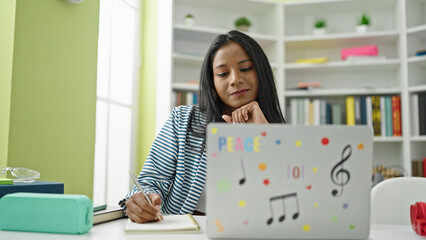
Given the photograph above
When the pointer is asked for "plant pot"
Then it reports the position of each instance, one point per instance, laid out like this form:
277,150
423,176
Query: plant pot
319,31
361,28
243,28
189,21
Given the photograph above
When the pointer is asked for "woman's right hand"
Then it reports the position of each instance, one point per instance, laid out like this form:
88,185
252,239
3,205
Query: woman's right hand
139,210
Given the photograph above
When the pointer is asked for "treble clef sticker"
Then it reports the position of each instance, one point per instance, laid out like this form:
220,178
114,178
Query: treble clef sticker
339,175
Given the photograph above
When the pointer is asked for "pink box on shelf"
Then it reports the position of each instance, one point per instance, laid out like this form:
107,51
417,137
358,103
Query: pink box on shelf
370,50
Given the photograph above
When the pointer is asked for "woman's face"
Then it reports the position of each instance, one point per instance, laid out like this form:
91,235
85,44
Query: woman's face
234,76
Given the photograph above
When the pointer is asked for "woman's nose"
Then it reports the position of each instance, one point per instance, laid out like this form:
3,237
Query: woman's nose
236,78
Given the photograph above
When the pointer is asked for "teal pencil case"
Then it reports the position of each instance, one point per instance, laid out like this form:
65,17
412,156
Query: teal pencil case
46,212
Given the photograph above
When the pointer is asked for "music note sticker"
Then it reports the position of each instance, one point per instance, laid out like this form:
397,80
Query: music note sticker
283,198
243,179
339,175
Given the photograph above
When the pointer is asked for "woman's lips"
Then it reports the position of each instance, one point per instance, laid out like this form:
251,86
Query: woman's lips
239,93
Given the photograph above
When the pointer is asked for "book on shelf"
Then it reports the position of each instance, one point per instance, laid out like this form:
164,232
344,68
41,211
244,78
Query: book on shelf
388,113
308,85
418,167
336,113
350,111
396,115
170,224
293,111
421,52
424,166
363,109
375,103
108,214
300,111
316,111
382,116
311,113
323,112
357,101
329,115
306,110
415,115
422,113
312,60
369,110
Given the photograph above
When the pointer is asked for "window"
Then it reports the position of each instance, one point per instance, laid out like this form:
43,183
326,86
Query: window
116,106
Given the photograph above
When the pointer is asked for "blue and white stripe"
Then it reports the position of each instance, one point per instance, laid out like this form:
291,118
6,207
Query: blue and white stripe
176,169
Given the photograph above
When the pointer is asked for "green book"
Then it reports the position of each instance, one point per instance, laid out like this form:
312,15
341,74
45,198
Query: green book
99,206
6,181
388,111
336,114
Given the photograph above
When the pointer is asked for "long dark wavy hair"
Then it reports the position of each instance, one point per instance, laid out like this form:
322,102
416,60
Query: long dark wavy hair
267,96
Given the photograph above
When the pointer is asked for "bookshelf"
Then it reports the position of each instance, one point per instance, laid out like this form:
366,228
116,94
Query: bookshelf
284,30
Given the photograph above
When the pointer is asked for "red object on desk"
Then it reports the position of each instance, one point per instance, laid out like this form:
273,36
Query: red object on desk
418,217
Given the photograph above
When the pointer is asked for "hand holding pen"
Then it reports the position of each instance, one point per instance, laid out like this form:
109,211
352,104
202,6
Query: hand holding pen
142,208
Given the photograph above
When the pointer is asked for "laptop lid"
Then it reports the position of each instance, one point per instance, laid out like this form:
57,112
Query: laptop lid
287,181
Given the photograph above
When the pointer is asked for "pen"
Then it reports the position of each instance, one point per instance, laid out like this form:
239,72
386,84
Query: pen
138,185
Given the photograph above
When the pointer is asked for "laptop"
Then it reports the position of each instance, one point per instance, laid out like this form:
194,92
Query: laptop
288,181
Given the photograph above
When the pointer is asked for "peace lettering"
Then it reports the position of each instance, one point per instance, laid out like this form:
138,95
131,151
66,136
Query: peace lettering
231,144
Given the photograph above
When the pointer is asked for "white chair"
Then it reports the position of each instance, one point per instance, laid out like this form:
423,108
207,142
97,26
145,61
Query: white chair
391,199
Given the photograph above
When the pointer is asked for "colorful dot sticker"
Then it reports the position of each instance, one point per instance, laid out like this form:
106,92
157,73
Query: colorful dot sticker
298,143
242,203
360,146
334,218
262,166
266,182
278,142
314,169
315,204
306,228
345,206
351,227
224,185
325,141
214,130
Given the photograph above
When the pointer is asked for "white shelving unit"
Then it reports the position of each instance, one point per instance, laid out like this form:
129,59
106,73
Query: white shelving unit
415,12
284,30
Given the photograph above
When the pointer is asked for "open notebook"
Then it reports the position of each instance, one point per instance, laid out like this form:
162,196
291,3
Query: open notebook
170,223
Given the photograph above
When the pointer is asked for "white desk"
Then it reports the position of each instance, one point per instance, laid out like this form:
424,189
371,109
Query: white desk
114,230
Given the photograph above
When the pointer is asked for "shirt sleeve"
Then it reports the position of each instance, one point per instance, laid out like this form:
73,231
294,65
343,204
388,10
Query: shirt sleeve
158,171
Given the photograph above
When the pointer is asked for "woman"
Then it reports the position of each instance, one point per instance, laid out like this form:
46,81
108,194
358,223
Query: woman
236,86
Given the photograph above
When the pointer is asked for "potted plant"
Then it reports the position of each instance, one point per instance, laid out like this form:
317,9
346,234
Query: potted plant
242,24
320,24
189,19
363,23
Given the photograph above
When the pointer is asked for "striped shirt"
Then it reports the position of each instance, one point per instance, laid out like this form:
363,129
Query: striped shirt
175,168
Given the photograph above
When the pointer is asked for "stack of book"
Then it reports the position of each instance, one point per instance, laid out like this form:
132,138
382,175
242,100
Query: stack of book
34,187
103,213
418,168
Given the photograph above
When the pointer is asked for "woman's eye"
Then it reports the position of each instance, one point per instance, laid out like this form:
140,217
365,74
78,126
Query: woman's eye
222,74
246,69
